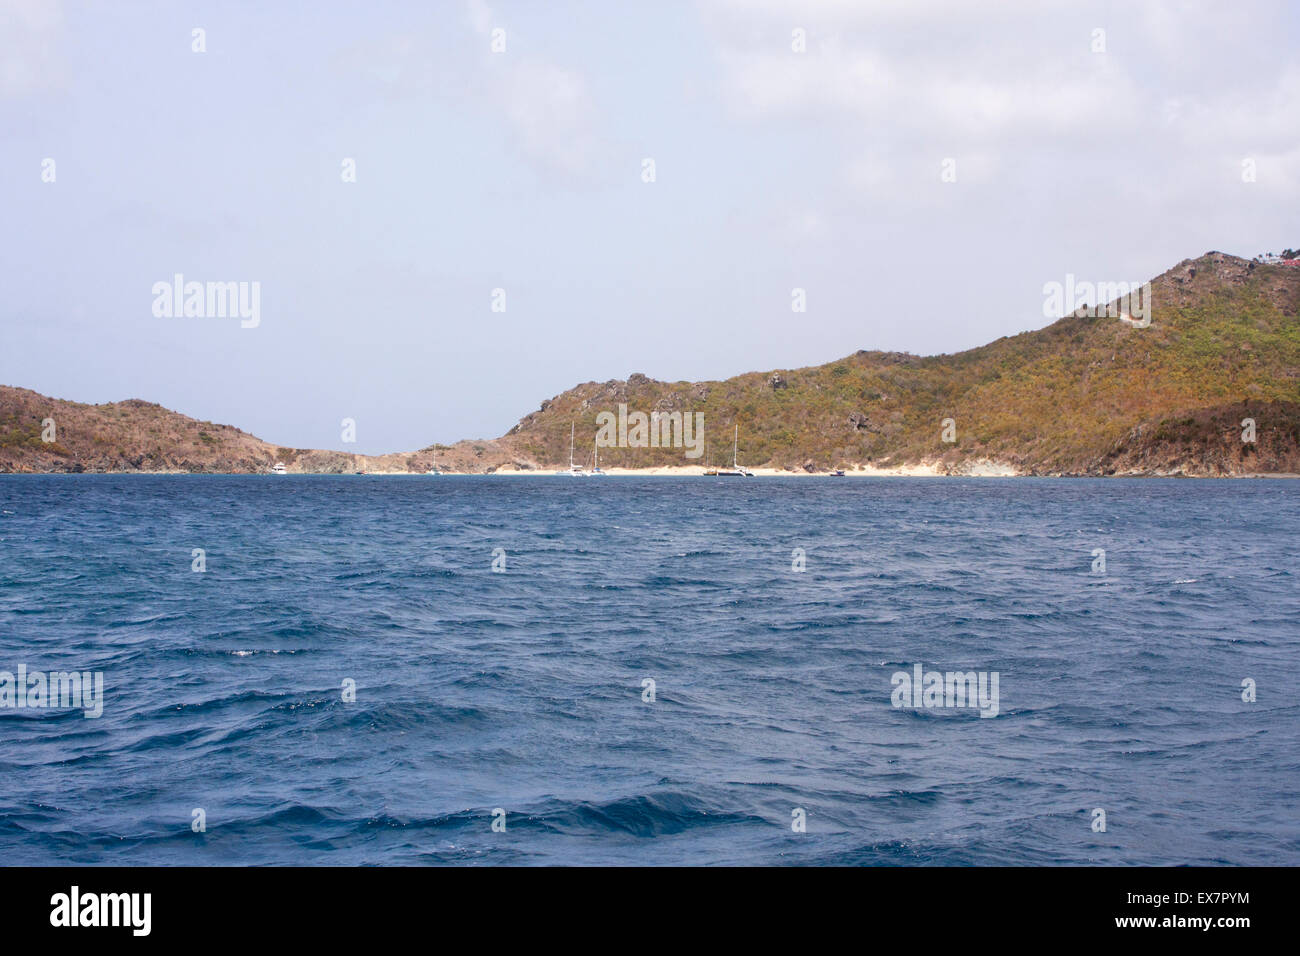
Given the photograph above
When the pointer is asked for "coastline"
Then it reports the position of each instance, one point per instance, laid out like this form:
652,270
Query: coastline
922,470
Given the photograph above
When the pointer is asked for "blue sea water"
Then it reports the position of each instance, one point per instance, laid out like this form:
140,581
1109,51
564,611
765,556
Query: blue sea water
522,689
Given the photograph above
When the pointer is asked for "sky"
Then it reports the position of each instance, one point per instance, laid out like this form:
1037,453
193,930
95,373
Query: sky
919,170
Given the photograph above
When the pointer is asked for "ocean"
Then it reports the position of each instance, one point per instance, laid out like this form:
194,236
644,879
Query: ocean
454,670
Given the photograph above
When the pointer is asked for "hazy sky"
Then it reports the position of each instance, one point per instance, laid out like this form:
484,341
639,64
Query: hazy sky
522,170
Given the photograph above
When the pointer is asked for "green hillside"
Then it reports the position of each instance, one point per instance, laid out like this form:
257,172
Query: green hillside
1086,395
1224,331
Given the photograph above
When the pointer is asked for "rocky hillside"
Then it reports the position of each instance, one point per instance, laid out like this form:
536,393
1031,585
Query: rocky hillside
141,436
1085,395
1208,442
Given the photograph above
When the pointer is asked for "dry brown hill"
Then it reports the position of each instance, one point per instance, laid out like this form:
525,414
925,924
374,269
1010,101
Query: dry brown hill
1085,395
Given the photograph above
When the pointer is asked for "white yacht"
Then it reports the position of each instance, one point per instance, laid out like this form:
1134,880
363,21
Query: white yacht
735,471
575,471
279,469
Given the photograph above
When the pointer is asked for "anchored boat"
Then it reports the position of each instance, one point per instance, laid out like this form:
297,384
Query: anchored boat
735,471
575,470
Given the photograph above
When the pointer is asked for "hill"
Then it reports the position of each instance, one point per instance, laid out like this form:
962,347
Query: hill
1086,395
140,436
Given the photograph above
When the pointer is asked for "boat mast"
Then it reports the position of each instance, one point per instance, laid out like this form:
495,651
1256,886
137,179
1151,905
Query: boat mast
570,446
735,458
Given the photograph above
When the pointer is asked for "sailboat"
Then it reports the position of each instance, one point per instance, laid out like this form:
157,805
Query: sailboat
735,471
575,471
595,462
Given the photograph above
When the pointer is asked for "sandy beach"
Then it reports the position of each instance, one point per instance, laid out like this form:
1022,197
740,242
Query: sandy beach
928,469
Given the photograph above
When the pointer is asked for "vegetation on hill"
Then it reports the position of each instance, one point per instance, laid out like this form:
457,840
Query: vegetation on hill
141,436
1088,394
1224,330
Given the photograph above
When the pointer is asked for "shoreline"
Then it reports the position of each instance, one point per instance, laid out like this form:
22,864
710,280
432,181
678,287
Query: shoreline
905,471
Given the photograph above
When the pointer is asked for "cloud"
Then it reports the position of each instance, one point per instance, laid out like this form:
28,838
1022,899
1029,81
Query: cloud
31,33
892,87
549,108
546,108
950,82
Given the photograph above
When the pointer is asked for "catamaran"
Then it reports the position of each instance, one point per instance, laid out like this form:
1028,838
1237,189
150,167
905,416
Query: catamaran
575,470
735,471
